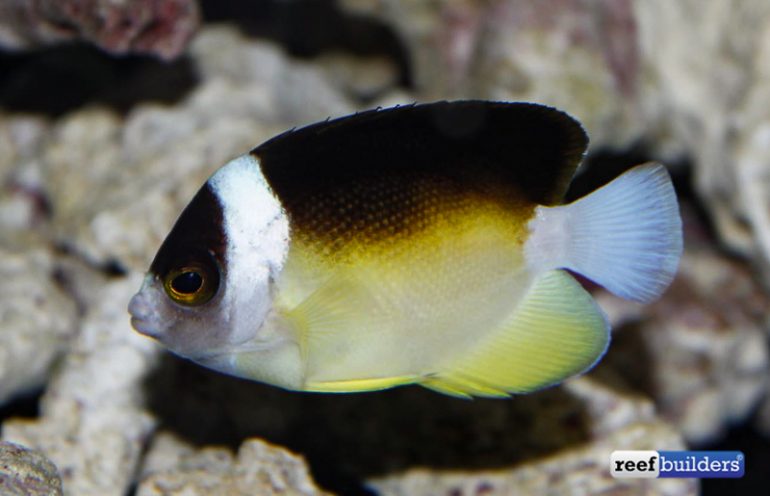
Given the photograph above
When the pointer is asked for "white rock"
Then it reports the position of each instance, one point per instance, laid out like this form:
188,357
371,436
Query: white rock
175,469
23,207
93,425
37,320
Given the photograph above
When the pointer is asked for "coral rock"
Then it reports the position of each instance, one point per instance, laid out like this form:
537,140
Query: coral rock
259,468
37,320
159,27
92,424
700,352
25,472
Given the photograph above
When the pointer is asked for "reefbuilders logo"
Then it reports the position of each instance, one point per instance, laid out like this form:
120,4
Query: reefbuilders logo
696,464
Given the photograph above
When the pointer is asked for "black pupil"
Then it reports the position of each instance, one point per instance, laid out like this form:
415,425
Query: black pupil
187,282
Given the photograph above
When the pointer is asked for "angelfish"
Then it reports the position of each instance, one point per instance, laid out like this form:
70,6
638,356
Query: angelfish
424,244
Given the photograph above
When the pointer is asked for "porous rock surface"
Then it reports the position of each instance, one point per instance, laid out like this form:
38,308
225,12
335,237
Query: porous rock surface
258,468
93,424
26,472
159,27
37,320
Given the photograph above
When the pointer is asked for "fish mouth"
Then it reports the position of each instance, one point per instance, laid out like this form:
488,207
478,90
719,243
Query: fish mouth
141,319
145,328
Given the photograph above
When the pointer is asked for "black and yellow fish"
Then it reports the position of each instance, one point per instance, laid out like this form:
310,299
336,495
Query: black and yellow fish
422,244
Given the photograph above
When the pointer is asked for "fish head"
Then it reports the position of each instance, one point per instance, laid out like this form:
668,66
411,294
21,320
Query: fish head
182,308
209,288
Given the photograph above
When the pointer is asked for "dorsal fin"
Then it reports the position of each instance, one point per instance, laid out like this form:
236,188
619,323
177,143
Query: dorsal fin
532,147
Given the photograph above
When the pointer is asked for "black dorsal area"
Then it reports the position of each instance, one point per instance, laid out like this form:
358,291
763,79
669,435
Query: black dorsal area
533,148
198,236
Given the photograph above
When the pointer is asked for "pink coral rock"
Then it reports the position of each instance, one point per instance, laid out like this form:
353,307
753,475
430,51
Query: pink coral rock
159,27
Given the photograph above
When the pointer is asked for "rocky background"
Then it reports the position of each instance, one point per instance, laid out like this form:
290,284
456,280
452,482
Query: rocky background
112,113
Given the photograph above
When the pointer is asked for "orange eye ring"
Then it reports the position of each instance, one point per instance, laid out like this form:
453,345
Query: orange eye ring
190,285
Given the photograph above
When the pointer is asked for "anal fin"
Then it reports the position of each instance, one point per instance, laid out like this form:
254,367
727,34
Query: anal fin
359,385
462,387
556,331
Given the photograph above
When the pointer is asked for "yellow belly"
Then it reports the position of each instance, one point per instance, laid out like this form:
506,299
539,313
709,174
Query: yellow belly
404,304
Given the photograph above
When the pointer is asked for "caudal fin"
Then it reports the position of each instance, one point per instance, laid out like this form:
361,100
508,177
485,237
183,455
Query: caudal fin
626,236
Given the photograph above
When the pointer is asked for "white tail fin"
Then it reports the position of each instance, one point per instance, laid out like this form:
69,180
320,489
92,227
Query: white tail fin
626,236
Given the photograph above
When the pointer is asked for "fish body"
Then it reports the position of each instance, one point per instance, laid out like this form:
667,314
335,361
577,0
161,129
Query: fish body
420,244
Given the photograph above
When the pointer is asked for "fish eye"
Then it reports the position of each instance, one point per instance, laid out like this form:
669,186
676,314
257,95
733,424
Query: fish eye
188,282
191,285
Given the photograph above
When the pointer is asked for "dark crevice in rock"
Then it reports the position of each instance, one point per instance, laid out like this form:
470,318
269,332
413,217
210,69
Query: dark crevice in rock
602,166
25,405
63,78
629,364
348,438
308,28
755,447
114,268
111,267
58,80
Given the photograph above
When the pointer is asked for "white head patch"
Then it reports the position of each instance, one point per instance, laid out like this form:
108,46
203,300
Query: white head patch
257,231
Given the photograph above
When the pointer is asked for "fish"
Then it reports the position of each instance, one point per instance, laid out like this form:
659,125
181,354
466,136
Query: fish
422,244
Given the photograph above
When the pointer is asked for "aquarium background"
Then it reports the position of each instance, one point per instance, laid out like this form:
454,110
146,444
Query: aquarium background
113,113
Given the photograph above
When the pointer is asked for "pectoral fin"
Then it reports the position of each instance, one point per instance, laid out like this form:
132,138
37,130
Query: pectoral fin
343,332
557,331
